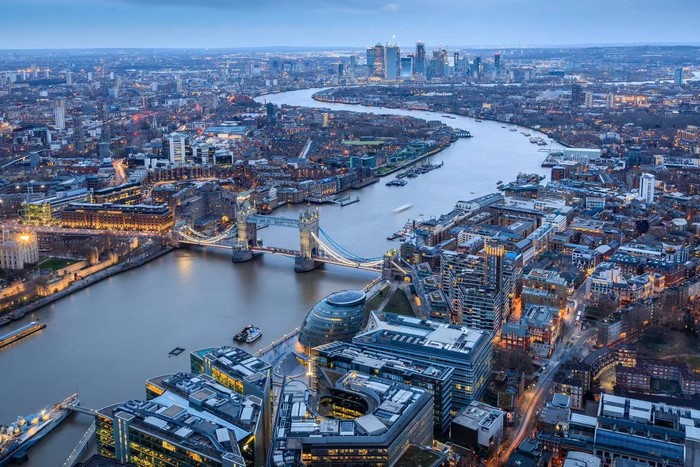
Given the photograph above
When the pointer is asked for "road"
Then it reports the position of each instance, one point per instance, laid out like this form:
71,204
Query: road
532,400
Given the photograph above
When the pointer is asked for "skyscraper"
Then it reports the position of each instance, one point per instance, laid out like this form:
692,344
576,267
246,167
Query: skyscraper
577,96
391,62
59,113
646,187
678,76
406,67
370,60
378,69
497,62
69,78
419,60
476,67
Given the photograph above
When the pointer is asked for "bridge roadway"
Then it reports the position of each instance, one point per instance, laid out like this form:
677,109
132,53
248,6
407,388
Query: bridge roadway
319,258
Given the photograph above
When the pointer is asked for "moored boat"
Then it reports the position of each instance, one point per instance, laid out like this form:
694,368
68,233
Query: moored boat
18,437
254,334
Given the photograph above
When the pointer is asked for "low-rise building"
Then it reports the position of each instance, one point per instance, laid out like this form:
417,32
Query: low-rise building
479,427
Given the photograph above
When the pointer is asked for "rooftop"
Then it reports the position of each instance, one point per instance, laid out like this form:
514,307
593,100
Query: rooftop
237,362
478,415
178,421
390,408
381,360
425,333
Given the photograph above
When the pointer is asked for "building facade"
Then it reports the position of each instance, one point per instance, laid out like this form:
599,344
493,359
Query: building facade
108,216
468,351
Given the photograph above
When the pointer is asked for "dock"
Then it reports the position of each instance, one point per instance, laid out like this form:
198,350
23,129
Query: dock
338,201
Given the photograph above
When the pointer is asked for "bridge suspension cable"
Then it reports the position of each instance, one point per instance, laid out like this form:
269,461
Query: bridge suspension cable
204,240
344,260
346,253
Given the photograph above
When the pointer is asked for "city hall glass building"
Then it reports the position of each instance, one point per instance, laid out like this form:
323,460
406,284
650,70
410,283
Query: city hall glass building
338,317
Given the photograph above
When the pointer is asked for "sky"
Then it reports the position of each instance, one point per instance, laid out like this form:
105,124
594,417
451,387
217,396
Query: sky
344,23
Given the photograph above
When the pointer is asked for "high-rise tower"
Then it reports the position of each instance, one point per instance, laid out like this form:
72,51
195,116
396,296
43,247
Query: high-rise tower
419,60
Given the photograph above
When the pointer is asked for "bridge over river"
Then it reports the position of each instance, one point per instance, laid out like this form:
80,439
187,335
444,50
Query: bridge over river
315,246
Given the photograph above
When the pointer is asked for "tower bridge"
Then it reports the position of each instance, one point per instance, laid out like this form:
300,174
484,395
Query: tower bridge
315,246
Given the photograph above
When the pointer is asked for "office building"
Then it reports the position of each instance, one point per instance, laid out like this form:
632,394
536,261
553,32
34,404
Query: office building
127,193
406,67
18,249
362,420
338,317
476,67
370,57
46,211
108,216
240,372
379,63
479,428
59,113
203,391
466,350
392,62
419,59
187,421
177,143
647,184
655,434
329,362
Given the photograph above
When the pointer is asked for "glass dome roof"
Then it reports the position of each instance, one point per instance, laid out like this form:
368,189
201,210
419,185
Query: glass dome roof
338,317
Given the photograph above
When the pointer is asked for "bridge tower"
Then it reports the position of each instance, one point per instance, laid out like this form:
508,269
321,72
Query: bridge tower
308,246
389,271
247,231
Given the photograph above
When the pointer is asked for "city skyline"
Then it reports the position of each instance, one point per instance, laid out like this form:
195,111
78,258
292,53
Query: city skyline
43,24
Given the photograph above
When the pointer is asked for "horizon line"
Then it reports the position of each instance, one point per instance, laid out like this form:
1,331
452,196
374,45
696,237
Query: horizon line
348,47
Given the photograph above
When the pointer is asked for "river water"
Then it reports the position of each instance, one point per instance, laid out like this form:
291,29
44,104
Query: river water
104,341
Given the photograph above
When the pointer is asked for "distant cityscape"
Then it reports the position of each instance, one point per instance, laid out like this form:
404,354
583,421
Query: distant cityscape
526,223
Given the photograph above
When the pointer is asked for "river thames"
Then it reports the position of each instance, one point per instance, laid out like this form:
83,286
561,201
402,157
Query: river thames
104,341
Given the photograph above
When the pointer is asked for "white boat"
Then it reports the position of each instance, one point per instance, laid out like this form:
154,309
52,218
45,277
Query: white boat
253,335
402,208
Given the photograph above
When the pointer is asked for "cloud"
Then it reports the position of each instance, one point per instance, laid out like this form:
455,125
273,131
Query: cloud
389,7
